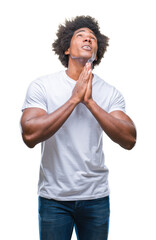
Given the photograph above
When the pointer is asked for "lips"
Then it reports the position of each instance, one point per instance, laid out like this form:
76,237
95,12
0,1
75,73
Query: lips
87,47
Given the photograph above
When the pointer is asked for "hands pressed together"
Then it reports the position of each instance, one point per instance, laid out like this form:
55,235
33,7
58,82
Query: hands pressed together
82,91
37,125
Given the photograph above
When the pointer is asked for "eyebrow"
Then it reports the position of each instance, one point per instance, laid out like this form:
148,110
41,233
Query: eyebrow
84,31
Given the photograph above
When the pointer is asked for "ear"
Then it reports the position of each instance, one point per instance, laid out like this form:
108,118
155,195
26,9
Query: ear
67,52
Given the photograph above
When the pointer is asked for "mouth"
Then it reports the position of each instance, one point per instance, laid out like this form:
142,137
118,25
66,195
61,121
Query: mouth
87,47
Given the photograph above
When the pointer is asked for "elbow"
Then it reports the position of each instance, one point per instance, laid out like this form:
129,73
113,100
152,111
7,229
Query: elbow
30,145
131,140
28,141
130,144
27,135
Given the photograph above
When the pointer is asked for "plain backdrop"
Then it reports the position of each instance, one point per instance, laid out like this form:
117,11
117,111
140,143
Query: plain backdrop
27,31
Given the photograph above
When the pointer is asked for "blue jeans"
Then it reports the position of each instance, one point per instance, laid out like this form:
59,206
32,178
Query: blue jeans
89,217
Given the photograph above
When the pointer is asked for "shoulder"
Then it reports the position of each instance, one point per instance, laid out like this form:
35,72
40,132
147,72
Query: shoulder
43,80
110,89
111,95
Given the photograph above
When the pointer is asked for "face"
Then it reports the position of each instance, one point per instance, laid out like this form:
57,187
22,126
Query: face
83,44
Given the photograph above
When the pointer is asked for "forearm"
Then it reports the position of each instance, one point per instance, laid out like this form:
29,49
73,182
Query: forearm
120,131
39,129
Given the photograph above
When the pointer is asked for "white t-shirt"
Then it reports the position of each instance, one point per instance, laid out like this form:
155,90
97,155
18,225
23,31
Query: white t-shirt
72,160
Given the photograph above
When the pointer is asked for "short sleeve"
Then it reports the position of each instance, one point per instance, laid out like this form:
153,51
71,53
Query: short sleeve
117,102
35,96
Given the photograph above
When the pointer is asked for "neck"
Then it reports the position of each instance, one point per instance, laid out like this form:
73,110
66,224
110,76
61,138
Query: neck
75,67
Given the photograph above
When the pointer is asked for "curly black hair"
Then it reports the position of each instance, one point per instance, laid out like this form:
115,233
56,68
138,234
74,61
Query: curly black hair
65,33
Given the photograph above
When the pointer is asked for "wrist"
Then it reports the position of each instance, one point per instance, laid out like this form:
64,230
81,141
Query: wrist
74,100
89,103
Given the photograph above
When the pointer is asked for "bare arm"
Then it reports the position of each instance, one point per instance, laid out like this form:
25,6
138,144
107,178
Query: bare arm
117,125
37,125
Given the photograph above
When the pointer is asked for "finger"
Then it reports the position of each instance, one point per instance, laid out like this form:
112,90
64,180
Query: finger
84,76
89,65
90,79
89,73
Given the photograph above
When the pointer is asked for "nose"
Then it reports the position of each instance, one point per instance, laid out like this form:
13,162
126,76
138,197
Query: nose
87,39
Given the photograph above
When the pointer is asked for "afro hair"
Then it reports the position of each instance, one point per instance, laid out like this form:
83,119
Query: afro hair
66,31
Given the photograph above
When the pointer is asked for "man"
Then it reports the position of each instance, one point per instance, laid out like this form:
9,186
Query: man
67,112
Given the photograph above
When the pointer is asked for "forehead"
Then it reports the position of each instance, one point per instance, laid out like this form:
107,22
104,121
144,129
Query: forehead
87,30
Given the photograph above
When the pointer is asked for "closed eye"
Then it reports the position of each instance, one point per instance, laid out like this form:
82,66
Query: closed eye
79,35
